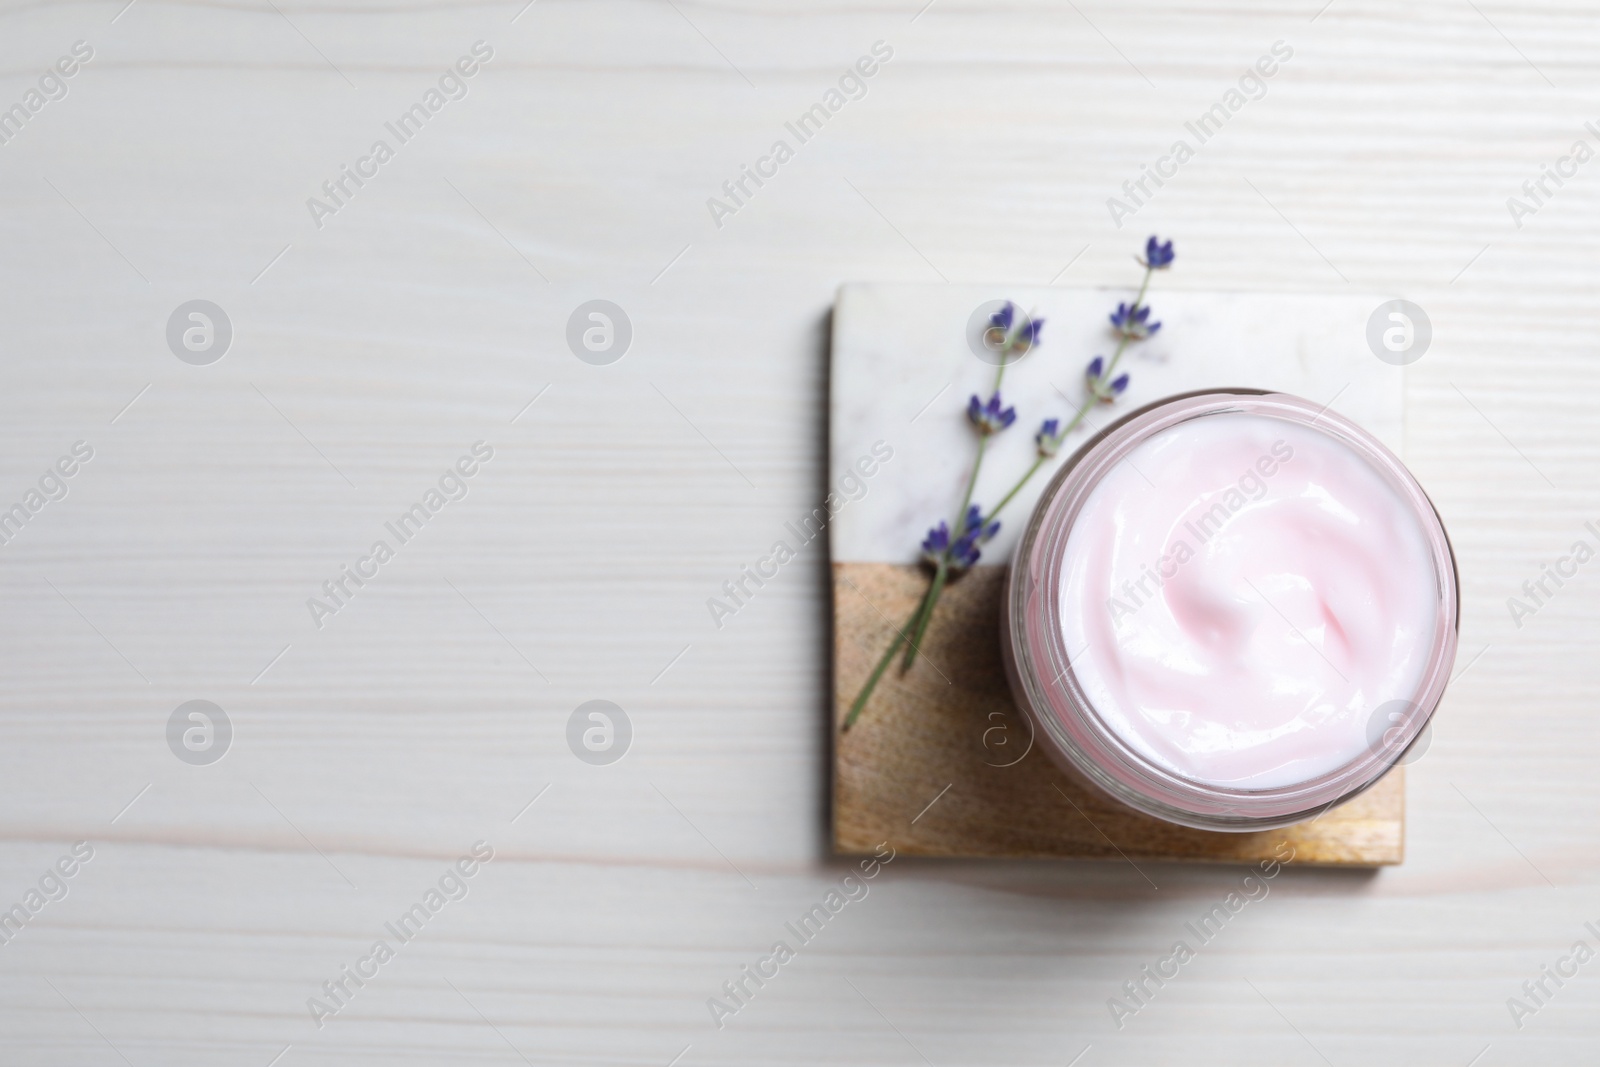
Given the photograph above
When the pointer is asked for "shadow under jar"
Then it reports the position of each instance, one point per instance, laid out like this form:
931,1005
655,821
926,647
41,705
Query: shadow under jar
1231,610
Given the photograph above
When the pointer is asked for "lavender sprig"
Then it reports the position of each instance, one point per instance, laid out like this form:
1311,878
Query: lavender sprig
952,552
1131,323
989,417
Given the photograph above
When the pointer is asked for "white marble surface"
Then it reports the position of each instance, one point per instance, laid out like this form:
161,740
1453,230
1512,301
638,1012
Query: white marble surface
902,372
425,316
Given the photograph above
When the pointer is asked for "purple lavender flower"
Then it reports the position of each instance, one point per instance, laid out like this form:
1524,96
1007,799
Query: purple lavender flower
1133,322
1046,439
1158,256
965,552
974,524
1105,391
1096,367
1000,339
990,418
1028,336
936,543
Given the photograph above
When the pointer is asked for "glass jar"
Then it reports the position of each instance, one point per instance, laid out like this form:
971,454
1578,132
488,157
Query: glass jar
1146,756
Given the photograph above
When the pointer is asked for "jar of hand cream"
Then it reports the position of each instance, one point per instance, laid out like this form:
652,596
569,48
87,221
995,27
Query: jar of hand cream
1231,610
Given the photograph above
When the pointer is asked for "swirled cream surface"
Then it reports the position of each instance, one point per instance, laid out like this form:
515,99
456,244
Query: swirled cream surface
1240,594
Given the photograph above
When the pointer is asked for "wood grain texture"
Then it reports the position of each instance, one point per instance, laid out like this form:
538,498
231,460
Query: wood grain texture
941,762
416,322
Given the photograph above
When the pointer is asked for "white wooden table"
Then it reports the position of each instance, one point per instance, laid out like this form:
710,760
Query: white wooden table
431,308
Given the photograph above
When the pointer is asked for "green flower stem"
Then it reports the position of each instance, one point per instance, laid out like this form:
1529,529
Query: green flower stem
877,672
917,625
941,575
1015,489
919,622
1040,462
1123,344
960,525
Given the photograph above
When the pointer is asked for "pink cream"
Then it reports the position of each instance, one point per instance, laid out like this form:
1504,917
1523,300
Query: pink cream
1239,593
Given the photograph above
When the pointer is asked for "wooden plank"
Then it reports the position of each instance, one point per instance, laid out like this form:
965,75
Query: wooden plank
940,762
